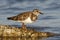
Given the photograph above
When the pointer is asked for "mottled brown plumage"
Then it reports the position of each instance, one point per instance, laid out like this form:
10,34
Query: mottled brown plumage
26,17
23,16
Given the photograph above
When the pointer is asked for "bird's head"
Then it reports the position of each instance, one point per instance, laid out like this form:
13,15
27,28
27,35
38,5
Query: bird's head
37,12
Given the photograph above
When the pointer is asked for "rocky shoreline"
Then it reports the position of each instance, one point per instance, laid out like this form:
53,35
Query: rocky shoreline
11,31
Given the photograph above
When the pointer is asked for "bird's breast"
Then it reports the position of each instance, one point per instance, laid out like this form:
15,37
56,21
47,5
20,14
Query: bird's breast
28,20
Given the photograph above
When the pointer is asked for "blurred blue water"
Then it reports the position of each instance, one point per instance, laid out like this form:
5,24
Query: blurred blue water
50,8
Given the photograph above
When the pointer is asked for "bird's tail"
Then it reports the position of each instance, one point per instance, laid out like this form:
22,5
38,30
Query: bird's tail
9,18
12,18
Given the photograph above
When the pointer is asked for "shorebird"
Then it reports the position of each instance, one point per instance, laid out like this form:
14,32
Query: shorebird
26,17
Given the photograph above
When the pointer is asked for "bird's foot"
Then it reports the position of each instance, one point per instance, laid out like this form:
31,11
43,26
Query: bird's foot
24,27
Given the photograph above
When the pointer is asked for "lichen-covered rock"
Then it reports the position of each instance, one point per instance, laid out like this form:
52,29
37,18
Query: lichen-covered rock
6,30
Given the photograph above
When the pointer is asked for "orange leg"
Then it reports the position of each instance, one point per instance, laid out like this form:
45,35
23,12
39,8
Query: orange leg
23,26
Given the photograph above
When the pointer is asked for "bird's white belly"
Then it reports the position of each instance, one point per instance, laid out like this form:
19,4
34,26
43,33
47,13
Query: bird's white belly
28,20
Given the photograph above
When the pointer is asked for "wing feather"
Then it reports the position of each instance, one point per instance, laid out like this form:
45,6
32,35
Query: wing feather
23,16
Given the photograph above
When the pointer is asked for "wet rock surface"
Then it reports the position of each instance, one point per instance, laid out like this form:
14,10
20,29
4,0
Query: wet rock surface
11,31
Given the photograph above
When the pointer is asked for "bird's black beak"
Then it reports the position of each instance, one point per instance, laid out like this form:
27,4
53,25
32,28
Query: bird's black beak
41,13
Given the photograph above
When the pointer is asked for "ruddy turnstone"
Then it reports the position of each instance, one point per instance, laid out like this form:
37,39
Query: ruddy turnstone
26,17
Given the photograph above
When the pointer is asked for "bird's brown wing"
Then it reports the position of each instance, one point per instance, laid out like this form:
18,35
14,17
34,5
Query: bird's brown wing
23,16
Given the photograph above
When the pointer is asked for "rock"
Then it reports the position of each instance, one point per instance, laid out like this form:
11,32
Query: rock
6,30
